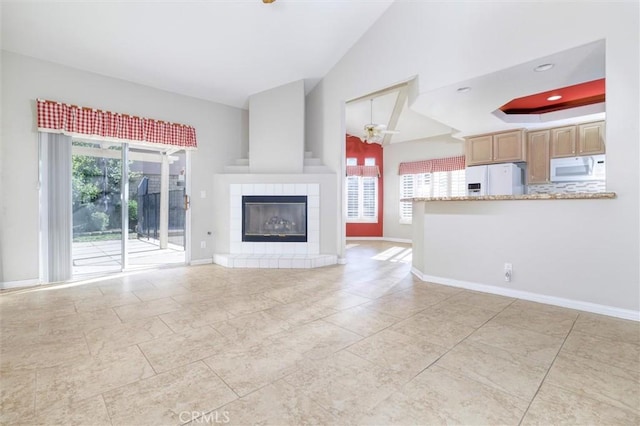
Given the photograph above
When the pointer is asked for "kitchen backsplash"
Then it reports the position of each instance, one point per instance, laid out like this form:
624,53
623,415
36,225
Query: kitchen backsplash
567,187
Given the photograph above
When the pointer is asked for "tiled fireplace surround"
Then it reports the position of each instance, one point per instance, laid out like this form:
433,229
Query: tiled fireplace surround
274,255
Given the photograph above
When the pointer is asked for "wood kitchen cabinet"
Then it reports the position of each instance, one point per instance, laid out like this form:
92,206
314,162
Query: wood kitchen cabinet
479,150
501,147
538,155
591,138
563,142
574,141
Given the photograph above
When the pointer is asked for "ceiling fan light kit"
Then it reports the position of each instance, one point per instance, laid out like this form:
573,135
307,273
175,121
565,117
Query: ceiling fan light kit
373,133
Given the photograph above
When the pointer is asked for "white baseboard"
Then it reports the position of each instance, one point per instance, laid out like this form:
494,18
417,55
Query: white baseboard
533,297
391,240
18,284
201,262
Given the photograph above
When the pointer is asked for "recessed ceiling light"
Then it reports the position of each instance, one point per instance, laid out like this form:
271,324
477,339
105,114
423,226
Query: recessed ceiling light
543,67
464,89
554,98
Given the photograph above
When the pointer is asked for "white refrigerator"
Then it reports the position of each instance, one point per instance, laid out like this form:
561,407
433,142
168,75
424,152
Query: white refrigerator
495,179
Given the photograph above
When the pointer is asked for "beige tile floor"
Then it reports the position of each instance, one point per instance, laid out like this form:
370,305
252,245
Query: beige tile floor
362,343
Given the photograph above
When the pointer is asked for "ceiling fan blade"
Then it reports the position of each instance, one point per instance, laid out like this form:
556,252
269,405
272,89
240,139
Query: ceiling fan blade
390,132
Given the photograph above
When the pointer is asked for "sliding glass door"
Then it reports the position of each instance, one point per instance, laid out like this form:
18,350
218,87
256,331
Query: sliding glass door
150,232
157,207
97,207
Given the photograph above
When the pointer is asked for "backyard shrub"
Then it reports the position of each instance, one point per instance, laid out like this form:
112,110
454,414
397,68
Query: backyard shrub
99,221
133,210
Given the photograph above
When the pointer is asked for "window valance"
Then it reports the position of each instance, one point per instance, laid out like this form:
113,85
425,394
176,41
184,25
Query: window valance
448,164
72,120
367,171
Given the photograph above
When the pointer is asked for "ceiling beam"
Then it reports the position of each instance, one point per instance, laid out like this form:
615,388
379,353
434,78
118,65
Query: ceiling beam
395,114
385,91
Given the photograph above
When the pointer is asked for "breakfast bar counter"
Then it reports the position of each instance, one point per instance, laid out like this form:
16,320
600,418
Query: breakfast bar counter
554,196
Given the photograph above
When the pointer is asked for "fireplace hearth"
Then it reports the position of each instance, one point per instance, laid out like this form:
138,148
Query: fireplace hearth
274,218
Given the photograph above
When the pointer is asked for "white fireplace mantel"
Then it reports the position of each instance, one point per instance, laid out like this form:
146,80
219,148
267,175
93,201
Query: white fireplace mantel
244,254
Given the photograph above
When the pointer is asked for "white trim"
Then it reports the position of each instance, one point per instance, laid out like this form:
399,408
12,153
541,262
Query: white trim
399,240
363,220
187,218
124,209
391,240
20,283
201,262
77,136
533,297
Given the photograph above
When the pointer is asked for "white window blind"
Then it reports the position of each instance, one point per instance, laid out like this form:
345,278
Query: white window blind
353,197
406,191
437,184
362,195
370,198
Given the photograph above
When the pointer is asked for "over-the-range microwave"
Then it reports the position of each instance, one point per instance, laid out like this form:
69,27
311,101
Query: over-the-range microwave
589,167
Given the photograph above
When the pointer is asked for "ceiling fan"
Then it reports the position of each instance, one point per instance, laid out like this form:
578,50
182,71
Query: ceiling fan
374,133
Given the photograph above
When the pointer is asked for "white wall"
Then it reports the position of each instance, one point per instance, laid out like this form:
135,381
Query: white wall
446,42
394,154
220,130
276,129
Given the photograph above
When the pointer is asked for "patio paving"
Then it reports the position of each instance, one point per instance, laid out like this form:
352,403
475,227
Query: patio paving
100,257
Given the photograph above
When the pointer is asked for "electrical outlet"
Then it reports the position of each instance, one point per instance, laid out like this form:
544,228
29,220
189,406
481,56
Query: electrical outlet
203,244
508,272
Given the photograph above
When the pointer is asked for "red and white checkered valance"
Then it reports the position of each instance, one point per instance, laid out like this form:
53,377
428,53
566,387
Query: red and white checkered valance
448,164
72,120
367,171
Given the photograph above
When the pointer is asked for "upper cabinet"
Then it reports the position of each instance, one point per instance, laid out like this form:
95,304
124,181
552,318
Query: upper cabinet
501,147
574,141
538,156
479,150
563,142
591,138
508,147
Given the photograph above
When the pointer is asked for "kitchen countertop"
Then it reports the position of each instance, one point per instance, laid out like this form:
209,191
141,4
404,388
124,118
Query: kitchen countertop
566,196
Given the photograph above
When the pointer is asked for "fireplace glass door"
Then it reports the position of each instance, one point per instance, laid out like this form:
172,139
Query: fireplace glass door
274,218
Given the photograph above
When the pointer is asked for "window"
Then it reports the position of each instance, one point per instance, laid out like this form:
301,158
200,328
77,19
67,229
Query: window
362,195
437,184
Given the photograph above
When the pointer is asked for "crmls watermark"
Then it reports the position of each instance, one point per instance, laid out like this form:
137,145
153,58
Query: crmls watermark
205,418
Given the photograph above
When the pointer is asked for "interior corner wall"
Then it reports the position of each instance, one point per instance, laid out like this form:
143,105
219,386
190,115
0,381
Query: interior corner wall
416,38
219,130
396,153
355,148
313,126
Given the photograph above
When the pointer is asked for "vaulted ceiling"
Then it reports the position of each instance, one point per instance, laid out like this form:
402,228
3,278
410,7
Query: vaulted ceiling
224,51
218,50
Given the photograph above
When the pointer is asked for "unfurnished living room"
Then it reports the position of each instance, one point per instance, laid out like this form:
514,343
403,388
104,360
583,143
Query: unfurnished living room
340,212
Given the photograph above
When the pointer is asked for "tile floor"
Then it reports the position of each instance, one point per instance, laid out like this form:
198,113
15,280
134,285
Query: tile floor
362,343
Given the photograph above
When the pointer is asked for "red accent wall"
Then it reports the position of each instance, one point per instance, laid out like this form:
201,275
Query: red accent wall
358,149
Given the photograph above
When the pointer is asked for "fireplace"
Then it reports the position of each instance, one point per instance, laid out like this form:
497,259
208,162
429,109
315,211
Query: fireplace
276,218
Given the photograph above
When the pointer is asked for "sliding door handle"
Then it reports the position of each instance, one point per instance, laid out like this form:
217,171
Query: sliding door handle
187,202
